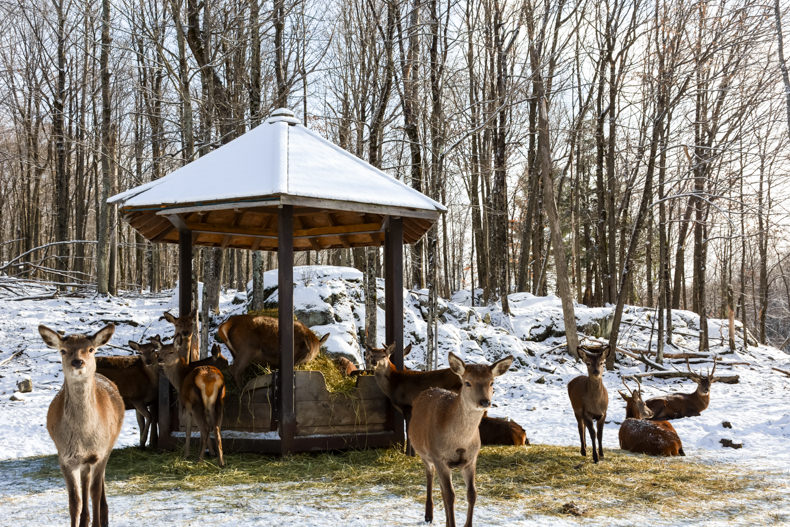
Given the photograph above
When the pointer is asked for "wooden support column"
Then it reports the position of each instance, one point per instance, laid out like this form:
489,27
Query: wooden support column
184,272
285,292
393,300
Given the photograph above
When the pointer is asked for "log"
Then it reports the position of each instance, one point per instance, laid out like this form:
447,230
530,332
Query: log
12,357
781,371
664,374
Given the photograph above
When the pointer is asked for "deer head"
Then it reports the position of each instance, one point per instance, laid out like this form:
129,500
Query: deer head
374,355
595,361
703,381
634,405
185,328
149,350
477,380
77,352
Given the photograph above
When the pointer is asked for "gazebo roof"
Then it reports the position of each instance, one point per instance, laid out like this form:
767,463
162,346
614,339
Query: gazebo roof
230,197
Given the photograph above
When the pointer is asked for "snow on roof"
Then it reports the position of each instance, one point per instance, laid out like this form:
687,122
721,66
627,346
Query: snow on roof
278,158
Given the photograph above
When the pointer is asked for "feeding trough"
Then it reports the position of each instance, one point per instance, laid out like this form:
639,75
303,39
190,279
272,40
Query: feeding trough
281,187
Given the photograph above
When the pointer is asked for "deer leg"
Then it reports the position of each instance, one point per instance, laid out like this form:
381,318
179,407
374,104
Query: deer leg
471,491
143,421
85,488
581,436
590,428
97,495
429,471
407,418
219,446
75,496
204,437
601,422
448,494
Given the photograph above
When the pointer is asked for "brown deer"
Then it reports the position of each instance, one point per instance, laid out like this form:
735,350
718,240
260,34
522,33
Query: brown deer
677,405
499,431
137,381
185,327
444,431
201,390
84,421
590,399
216,359
347,368
254,339
637,434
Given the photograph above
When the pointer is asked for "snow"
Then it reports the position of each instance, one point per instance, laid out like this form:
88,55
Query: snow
331,300
277,158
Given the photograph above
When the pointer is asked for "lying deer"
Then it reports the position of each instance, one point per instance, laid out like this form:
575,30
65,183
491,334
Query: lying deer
201,390
637,434
499,431
590,399
137,381
84,421
254,339
677,405
185,327
444,431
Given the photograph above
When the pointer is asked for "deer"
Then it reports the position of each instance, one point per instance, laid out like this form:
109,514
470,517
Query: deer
403,386
590,399
444,431
84,421
201,390
254,339
137,381
638,434
216,358
185,327
677,405
500,431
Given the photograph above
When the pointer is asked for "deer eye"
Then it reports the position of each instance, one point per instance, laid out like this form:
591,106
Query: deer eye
91,350
491,383
467,383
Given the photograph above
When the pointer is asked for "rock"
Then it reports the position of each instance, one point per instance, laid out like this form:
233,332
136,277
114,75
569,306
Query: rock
17,397
25,385
572,509
726,424
729,443
541,380
238,298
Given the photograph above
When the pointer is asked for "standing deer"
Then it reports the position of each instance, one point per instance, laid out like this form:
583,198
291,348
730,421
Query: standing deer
590,400
444,431
637,434
254,339
677,405
137,381
185,327
201,390
84,421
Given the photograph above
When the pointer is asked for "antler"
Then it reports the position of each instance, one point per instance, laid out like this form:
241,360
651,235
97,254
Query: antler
630,391
715,362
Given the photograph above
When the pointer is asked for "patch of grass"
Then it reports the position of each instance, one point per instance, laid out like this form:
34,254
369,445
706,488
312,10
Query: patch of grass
540,479
336,382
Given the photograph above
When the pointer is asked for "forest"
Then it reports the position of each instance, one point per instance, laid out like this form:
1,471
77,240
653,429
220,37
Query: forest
608,152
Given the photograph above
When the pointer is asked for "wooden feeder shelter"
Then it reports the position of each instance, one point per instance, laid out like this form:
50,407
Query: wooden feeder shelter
281,187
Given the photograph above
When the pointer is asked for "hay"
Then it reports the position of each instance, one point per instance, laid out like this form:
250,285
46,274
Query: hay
539,479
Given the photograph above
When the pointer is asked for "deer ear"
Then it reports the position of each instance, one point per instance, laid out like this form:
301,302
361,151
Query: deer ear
407,350
323,339
501,366
51,337
135,346
170,318
103,336
456,364
389,349
624,396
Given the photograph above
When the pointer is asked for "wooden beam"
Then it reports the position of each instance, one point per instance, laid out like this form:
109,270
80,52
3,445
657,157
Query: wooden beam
393,303
365,228
285,293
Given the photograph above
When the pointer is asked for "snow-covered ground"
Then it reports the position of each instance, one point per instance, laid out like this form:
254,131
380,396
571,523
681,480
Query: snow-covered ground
330,300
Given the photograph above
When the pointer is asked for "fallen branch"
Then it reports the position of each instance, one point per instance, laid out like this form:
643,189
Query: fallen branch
12,357
664,374
40,297
780,370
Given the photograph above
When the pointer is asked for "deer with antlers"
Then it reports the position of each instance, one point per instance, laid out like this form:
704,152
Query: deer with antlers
590,399
84,421
638,434
677,405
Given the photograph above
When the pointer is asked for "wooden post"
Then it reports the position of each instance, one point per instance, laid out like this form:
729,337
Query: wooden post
164,440
393,299
184,272
285,273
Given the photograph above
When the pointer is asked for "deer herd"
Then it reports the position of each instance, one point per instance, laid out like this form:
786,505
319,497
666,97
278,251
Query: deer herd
445,410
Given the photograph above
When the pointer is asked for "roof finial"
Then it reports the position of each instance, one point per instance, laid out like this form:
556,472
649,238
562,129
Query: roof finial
283,115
